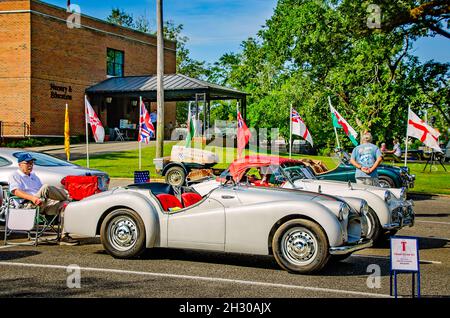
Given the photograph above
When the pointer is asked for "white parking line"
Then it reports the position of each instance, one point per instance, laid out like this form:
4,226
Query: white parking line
422,261
207,279
434,222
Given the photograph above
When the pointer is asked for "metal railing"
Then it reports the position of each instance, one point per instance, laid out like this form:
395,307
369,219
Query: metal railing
14,129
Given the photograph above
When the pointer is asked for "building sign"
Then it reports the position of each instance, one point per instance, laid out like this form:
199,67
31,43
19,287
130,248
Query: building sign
404,254
60,92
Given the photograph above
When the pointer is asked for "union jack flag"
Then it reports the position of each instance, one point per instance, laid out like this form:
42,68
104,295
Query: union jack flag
147,130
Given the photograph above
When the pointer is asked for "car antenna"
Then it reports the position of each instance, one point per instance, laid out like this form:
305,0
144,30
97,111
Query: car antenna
350,184
319,189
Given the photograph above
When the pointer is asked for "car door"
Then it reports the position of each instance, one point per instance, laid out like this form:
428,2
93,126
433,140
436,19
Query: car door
201,226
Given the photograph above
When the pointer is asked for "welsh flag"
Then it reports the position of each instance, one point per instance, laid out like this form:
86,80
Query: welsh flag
340,122
190,129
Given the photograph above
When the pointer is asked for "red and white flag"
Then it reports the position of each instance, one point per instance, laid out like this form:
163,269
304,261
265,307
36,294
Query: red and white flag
243,134
146,127
91,117
419,129
299,128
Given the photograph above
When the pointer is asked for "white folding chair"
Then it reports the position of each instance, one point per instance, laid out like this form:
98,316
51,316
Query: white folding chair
28,220
119,134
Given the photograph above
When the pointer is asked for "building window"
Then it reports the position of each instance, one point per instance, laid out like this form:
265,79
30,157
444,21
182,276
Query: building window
114,62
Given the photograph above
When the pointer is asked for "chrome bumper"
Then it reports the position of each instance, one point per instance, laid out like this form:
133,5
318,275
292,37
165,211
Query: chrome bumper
347,249
404,216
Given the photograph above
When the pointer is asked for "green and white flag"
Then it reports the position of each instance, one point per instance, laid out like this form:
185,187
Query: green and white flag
340,122
190,128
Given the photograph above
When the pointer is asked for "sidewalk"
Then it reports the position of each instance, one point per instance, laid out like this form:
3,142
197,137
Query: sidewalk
78,151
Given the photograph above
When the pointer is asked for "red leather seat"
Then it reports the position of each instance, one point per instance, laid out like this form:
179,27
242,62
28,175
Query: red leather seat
169,201
261,183
190,198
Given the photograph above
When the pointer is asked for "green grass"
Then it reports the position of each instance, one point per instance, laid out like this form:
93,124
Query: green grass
123,164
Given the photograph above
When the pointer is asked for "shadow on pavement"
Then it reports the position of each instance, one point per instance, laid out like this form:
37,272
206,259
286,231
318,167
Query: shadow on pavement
14,255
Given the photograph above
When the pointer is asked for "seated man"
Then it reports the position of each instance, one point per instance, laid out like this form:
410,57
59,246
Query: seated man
26,184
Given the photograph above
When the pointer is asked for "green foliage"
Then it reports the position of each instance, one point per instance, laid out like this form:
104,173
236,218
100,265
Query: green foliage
311,49
120,17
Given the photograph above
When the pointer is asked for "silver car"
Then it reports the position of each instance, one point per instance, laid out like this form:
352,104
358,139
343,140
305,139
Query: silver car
49,169
302,230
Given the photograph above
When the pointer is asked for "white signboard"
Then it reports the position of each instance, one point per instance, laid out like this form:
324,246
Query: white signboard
404,254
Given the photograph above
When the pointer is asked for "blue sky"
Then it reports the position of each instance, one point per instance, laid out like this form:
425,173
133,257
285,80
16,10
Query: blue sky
215,27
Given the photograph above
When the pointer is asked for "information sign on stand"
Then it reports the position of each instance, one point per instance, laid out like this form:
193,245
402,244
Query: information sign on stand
405,259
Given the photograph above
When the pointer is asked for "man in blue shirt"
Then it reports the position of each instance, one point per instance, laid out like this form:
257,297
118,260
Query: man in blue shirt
366,158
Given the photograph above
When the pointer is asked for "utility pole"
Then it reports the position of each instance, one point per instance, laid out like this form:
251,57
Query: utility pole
160,83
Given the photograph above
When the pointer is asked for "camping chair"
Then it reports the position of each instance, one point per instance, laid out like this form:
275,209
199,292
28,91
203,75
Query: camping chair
119,134
28,220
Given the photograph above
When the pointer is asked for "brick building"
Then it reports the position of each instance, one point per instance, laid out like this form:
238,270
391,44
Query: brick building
45,64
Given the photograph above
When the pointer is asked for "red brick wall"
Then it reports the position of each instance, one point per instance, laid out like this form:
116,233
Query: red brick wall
65,57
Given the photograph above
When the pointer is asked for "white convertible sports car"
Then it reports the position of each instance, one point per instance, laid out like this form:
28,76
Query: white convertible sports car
302,230
388,212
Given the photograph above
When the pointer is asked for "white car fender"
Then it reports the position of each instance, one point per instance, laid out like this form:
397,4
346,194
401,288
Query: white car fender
374,202
83,217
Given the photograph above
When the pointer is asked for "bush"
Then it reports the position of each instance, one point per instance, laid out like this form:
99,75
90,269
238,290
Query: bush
326,152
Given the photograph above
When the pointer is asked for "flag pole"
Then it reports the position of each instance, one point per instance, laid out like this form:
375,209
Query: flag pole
406,140
87,132
139,137
290,133
335,131
237,125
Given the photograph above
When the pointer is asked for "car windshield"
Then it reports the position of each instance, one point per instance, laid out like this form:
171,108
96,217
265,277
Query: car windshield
299,172
45,160
340,155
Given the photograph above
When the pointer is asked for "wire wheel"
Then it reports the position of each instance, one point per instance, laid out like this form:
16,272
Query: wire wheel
175,176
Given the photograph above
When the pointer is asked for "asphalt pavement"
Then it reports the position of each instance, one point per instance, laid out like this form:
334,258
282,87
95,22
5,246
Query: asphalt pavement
51,270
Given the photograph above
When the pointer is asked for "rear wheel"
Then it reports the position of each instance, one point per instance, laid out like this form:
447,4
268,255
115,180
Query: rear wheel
175,176
300,246
386,182
123,234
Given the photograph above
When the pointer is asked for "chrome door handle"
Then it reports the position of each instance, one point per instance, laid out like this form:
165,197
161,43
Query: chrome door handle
227,197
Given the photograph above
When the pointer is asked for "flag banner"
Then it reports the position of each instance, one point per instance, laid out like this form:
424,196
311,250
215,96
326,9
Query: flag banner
147,130
190,129
243,134
417,128
67,134
340,122
141,176
97,128
299,128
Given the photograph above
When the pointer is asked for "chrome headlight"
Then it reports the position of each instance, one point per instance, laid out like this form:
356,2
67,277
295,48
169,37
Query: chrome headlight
387,196
344,210
403,194
364,208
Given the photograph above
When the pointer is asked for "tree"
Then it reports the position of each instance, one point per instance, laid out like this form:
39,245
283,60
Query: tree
120,17
311,49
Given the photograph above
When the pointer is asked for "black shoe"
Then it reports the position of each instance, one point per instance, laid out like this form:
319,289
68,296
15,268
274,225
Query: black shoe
67,240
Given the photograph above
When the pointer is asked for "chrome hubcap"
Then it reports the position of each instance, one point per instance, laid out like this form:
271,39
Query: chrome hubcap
175,178
299,246
123,233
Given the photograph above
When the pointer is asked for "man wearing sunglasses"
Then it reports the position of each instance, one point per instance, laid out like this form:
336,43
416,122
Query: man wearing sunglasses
25,184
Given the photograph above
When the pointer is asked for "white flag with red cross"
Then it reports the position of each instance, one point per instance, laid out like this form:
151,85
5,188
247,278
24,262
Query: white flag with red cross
419,129
299,128
91,117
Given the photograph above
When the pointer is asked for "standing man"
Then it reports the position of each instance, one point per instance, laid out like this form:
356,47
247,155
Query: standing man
26,184
153,118
366,158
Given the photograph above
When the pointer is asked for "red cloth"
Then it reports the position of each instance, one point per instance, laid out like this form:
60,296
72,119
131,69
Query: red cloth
80,187
169,201
240,166
190,198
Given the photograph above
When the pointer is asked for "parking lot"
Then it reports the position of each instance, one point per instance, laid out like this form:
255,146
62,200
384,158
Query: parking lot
48,270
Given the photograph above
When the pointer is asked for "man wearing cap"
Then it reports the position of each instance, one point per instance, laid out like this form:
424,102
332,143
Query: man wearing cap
366,158
26,184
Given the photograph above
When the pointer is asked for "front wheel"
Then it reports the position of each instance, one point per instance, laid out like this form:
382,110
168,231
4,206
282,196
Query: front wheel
373,225
300,246
123,234
386,182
